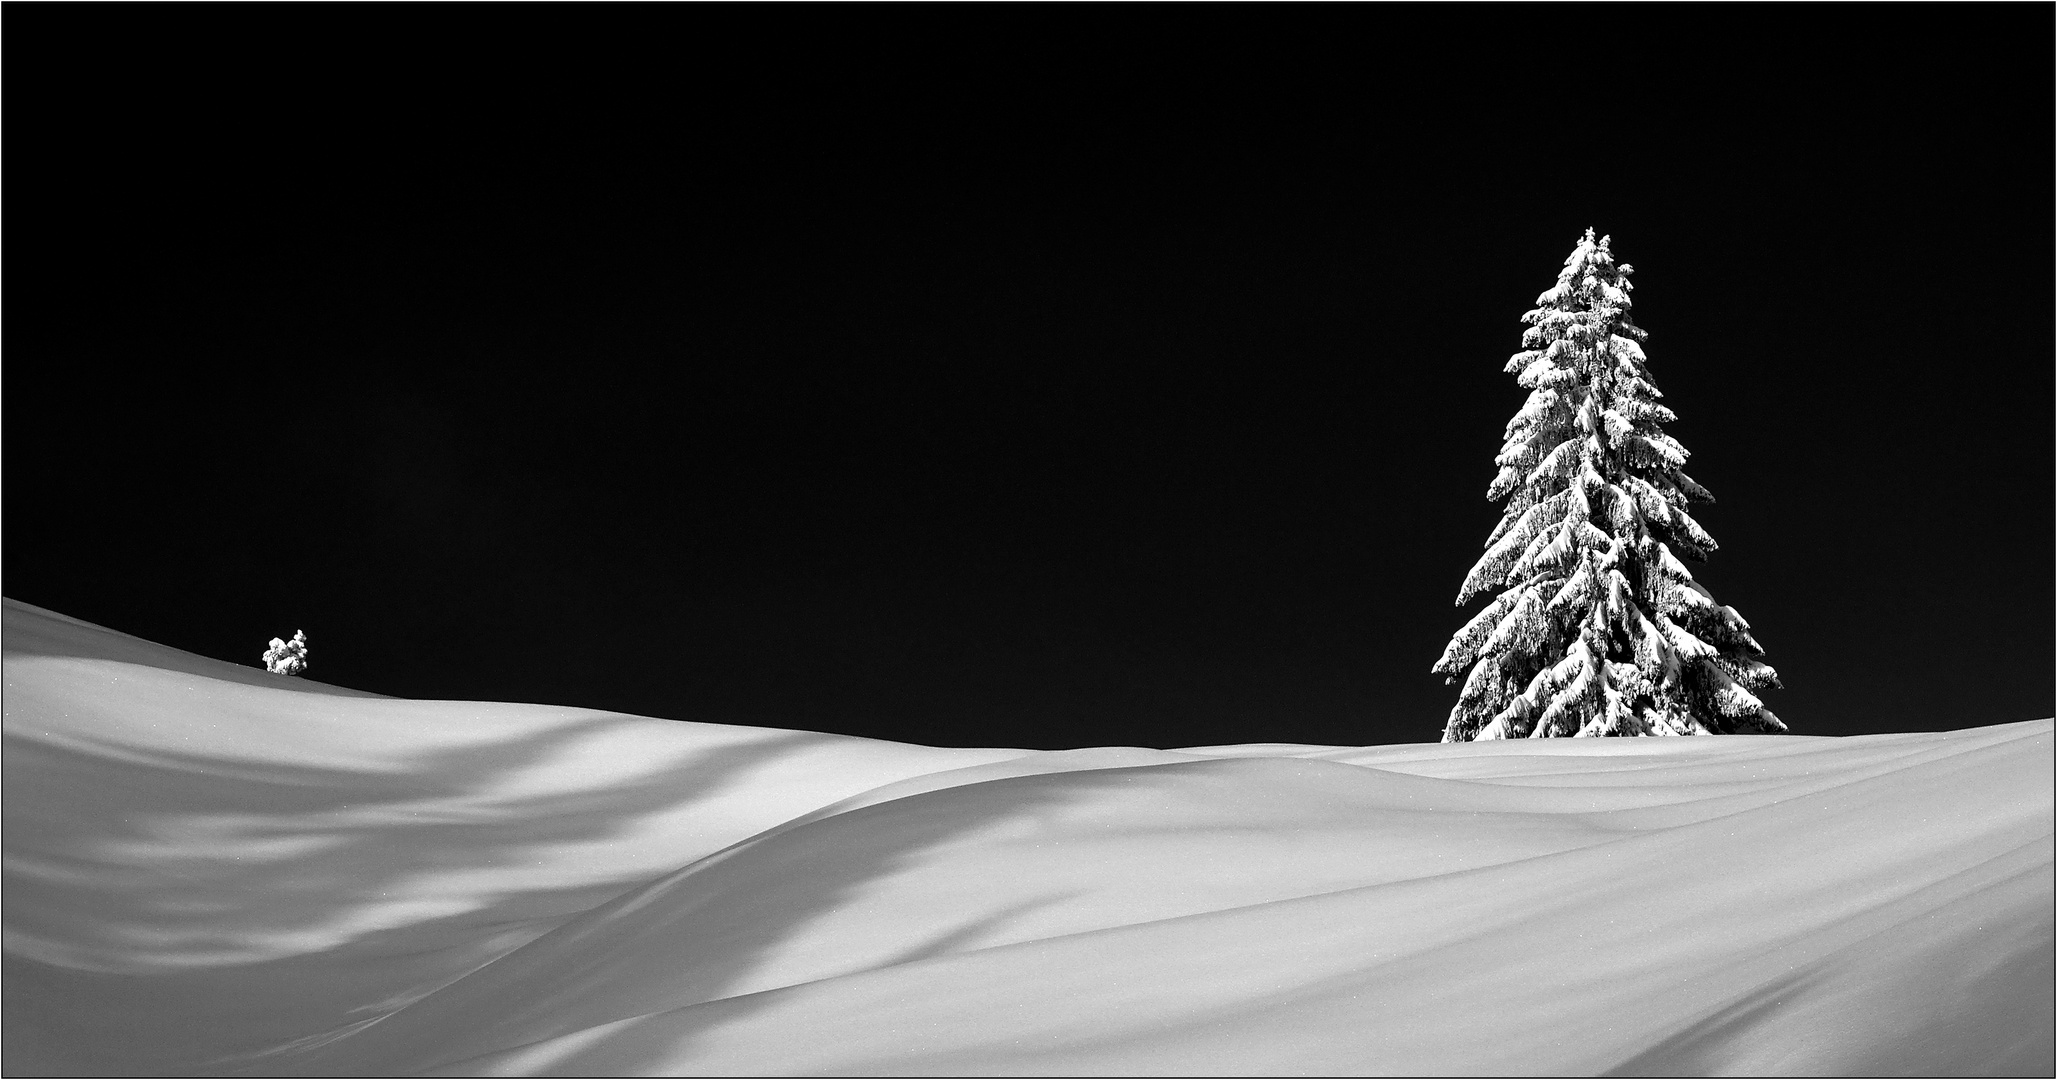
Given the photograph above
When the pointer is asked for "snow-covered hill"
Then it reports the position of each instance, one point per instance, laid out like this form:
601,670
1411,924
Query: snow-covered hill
210,869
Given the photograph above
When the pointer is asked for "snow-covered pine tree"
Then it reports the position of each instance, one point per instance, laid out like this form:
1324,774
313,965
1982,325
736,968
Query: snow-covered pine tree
1598,628
287,657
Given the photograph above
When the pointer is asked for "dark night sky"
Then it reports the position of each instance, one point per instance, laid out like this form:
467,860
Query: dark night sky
1091,387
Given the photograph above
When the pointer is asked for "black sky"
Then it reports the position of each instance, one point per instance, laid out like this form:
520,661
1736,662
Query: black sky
1010,376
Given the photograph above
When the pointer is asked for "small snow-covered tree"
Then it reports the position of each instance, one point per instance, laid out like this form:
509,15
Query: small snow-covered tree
1597,628
287,657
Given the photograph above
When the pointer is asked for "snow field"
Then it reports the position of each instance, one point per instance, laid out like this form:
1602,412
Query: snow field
223,871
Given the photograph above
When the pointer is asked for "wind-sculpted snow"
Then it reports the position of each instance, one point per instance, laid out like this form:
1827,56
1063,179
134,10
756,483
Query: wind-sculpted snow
215,876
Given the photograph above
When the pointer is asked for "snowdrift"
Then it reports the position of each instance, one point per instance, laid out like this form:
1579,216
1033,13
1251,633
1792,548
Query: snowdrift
213,870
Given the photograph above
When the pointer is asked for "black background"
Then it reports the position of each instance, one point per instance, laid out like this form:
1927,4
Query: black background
1034,377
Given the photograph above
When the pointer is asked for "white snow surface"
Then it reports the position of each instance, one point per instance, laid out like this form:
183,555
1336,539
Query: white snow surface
211,870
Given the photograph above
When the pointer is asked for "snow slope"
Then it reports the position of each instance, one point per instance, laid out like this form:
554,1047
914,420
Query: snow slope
210,869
